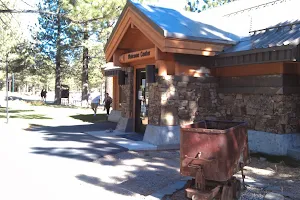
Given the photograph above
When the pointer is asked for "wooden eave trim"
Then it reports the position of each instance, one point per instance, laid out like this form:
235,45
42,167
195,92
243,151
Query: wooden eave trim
193,45
151,33
117,36
130,18
190,51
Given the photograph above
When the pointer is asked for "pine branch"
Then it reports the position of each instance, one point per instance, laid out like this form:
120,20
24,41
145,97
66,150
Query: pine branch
64,15
29,11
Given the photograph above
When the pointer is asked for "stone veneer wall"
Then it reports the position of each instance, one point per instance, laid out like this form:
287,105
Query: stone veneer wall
175,100
154,109
127,92
269,113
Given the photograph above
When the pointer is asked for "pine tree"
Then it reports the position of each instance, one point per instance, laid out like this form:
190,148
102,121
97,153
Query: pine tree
55,38
94,19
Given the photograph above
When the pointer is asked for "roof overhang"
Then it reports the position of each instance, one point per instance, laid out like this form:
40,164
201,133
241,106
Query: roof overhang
110,70
165,42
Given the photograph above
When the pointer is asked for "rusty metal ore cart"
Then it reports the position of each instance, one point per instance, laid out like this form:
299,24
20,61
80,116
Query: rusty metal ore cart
212,152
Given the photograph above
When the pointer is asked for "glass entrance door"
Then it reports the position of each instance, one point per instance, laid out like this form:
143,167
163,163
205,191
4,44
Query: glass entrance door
141,109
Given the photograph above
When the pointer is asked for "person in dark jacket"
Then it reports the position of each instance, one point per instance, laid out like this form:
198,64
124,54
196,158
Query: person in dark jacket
107,103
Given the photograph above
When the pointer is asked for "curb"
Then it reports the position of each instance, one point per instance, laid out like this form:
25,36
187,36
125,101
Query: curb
169,190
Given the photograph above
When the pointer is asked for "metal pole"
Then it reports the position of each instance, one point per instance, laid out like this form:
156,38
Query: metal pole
13,83
6,88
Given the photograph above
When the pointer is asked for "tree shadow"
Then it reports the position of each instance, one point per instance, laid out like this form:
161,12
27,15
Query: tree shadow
24,116
143,172
71,141
3,110
90,118
73,128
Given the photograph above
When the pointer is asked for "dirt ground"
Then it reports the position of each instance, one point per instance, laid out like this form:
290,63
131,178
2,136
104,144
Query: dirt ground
263,177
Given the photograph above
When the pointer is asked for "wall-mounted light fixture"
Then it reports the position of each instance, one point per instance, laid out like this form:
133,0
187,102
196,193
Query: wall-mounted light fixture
121,77
150,73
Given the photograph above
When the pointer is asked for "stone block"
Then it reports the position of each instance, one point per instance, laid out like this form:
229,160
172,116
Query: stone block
125,124
236,111
181,97
183,113
270,143
211,118
294,121
169,115
183,103
221,96
278,98
170,102
228,99
250,111
239,96
273,196
114,116
162,135
218,114
182,84
162,89
193,105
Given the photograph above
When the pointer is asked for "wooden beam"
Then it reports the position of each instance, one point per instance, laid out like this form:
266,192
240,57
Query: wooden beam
250,70
193,45
189,51
116,57
165,67
159,55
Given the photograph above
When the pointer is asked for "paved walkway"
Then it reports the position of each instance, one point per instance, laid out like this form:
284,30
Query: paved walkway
56,159
119,138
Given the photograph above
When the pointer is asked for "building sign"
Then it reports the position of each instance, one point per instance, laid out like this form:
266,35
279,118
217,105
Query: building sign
137,55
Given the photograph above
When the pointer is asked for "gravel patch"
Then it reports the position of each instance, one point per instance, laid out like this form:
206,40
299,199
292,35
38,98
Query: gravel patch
263,177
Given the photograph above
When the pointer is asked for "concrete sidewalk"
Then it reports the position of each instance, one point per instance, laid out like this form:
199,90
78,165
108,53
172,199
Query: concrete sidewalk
115,137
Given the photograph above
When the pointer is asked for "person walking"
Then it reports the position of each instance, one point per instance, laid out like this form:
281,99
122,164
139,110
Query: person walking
107,103
45,95
95,101
42,95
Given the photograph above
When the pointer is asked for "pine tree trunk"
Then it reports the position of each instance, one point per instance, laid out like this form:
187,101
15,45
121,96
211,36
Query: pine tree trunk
85,67
57,99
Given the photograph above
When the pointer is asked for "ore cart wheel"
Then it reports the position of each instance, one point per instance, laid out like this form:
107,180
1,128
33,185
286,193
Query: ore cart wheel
227,193
237,189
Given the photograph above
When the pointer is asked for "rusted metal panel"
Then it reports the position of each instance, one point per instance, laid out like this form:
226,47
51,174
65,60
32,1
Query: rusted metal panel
217,146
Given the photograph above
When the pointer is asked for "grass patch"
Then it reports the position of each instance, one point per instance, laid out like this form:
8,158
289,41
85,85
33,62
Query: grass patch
37,103
277,159
21,116
41,103
3,110
91,118
61,106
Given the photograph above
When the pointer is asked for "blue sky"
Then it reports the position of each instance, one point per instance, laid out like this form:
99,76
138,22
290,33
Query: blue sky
28,19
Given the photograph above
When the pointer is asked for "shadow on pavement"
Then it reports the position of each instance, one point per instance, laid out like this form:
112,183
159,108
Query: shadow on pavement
71,141
141,173
90,118
102,126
